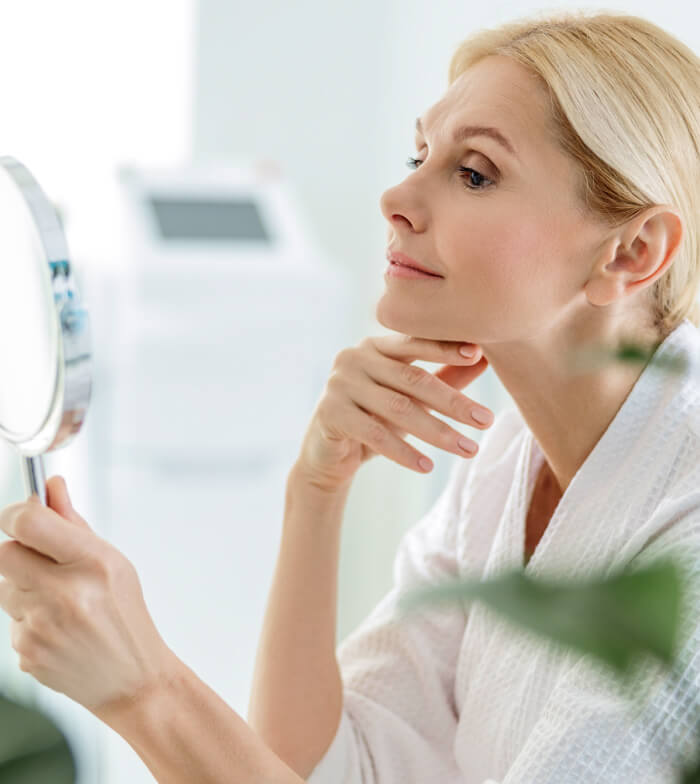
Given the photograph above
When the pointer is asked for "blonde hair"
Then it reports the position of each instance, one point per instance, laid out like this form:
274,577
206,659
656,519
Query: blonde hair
625,101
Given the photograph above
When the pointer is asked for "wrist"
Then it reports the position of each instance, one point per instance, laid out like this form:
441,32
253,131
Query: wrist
127,715
301,480
185,732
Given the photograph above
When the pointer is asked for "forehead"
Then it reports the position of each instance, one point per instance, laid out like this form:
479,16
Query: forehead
496,91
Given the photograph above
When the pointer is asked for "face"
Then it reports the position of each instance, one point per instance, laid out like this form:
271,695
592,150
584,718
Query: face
504,228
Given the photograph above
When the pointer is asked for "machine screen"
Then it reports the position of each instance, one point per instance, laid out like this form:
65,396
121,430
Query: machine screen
185,219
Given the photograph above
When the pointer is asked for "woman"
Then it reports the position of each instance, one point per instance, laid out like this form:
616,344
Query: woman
574,223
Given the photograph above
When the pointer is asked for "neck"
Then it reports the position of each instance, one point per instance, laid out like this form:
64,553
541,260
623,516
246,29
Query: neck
567,412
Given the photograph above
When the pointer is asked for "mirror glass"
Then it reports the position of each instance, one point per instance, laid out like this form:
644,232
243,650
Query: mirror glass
28,318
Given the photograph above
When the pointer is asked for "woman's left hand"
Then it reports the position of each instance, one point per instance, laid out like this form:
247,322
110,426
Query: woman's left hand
80,623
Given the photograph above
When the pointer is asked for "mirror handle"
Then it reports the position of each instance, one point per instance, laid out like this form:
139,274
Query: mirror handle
34,477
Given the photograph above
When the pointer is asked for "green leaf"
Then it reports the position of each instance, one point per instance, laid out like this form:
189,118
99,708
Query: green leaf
32,748
615,619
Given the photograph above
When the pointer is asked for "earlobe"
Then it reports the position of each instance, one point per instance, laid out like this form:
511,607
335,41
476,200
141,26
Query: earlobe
601,291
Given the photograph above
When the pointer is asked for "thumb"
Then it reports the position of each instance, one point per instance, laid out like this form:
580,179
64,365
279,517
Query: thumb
57,498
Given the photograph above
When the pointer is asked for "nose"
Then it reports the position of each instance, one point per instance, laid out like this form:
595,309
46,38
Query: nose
400,206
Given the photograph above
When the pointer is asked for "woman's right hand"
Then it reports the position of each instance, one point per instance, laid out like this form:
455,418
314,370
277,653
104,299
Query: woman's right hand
374,396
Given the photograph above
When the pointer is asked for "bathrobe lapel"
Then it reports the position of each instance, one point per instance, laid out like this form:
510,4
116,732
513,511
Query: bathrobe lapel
616,503
603,519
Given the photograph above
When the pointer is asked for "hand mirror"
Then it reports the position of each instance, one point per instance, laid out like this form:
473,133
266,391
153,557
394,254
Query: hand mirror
45,355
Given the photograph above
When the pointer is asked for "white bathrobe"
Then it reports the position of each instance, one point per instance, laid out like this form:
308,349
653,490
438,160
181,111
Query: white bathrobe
456,694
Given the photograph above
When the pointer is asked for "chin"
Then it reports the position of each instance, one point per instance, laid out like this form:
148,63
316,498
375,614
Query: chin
393,317
407,321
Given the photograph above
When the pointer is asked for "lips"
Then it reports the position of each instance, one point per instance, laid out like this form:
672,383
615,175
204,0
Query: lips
406,261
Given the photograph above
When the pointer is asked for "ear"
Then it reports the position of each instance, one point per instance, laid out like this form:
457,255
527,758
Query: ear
636,255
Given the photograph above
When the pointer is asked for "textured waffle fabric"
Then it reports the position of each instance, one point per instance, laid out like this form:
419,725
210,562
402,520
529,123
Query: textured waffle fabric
455,694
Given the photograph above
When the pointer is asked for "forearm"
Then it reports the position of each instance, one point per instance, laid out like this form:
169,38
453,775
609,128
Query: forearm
185,733
297,694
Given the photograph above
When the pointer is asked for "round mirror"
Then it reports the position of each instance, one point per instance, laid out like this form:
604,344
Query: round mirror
44,332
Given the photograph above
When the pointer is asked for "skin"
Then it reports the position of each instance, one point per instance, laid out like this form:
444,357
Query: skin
527,275
79,620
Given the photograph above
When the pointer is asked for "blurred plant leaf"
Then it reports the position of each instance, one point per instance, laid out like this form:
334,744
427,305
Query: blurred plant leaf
616,619
32,748
594,357
691,775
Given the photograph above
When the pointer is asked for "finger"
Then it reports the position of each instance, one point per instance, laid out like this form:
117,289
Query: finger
371,430
44,530
10,600
409,348
400,410
425,387
57,498
23,567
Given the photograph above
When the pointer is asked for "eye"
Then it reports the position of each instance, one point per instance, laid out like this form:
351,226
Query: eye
414,163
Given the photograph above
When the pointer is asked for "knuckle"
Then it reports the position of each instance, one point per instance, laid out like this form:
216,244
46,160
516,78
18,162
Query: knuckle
376,433
448,348
24,523
116,570
323,407
400,404
335,380
444,430
85,602
38,620
25,644
98,569
413,375
105,564
41,631
343,357
25,662
458,408
30,654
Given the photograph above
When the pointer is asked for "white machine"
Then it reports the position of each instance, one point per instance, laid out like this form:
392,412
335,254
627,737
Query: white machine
214,336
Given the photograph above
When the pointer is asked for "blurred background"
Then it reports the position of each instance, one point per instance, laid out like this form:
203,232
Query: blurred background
217,167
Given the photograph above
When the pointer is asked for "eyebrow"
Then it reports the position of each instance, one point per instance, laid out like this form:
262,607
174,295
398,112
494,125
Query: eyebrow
467,131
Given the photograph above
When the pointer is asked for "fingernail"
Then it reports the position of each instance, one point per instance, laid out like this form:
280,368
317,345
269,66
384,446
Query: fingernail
466,445
425,464
467,351
482,416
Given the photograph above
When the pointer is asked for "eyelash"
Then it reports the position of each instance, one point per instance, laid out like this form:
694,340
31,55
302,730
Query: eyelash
413,163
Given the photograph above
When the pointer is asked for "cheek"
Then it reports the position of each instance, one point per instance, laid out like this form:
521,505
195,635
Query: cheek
509,268
504,258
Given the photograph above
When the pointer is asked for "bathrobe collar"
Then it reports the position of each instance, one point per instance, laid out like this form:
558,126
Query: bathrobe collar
603,516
